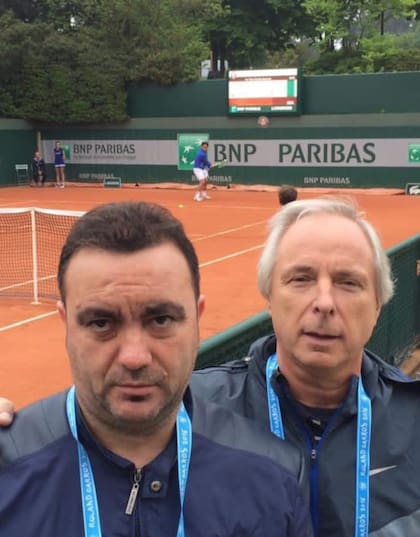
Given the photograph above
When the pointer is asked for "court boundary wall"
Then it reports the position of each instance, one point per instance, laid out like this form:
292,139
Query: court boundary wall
354,132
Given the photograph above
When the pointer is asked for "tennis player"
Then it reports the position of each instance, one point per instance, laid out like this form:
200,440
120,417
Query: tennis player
201,172
59,165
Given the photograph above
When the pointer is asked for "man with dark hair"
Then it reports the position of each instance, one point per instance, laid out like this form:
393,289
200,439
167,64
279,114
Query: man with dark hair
287,194
201,168
129,449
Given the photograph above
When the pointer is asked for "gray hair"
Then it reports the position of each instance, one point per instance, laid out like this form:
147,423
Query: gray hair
296,210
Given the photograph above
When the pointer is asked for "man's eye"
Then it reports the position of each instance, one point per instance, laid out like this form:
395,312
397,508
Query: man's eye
349,283
99,324
299,278
163,320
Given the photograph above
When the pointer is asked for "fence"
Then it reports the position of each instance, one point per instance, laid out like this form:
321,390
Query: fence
397,328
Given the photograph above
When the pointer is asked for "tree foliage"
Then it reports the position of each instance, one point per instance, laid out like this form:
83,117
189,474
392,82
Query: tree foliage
245,32
349,21
72,60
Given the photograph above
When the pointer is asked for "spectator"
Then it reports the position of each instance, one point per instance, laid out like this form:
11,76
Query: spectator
287,194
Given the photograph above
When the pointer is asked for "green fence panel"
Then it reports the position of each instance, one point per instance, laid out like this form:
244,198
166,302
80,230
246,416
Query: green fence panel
18,143
400,318
365,93
397,327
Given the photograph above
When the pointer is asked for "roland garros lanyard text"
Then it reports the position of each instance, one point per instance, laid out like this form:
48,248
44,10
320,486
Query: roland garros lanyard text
364,424
92,523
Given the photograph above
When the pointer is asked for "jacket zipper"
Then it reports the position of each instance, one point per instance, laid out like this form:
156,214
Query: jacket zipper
134,492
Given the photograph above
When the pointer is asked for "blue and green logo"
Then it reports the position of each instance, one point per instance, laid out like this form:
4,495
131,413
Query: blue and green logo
67,152
414,152
188,145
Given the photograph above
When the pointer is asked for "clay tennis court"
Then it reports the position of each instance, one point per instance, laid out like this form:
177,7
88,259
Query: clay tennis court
228,233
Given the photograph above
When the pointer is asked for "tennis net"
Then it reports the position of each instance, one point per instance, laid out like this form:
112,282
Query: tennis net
30,243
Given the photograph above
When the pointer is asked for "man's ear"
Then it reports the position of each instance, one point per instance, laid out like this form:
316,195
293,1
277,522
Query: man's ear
201,304
61,310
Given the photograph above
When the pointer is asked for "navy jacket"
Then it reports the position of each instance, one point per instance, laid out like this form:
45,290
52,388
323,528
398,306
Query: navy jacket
395,441
231,491
201,160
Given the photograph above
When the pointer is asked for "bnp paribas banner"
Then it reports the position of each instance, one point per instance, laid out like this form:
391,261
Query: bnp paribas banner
352,153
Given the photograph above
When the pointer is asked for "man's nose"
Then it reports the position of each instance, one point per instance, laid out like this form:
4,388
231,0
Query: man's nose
134,350
324,299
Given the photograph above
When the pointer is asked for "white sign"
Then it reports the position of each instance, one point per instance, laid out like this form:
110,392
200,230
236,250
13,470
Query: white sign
351,153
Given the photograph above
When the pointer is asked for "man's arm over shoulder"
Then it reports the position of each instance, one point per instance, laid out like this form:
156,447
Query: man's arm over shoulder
33,427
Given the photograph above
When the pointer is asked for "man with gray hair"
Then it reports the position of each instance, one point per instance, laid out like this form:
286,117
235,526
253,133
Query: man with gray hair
355,418
326,277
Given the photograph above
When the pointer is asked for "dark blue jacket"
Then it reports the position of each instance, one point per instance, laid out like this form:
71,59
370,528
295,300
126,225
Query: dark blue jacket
231,491
395,442
201,160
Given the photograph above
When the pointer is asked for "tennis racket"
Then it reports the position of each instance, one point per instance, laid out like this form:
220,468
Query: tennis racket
220,163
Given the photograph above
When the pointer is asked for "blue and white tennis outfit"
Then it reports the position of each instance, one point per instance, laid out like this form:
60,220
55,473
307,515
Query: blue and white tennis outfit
59,157
201,165
56,480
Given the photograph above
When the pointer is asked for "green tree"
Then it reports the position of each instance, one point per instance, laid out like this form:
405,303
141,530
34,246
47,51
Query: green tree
60,67
161,40
244,31
58,77
349,21
25,10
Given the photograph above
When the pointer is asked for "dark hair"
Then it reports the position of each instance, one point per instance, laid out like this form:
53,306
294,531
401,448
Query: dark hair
287,194
127,227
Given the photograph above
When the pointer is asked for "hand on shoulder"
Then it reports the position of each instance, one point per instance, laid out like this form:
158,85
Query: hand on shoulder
7,411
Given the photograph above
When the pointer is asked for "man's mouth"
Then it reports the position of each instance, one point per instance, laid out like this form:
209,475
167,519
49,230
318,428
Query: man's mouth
321,335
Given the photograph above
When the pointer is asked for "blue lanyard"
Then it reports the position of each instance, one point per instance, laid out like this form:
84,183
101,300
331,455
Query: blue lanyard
364,424
91,520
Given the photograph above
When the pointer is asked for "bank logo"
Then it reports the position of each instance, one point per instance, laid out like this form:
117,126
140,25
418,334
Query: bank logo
67,152
188,145
414,153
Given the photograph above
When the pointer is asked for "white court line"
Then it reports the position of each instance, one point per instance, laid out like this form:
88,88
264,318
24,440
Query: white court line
26,321
19,203
230,256
28,282
231,230
240,207
206,264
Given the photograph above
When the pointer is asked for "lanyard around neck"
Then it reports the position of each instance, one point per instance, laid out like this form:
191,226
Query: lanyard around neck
364,424
91,519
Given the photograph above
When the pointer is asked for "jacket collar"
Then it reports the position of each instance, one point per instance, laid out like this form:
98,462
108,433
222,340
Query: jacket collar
374,369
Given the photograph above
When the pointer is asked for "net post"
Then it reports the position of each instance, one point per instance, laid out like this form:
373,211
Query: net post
34,258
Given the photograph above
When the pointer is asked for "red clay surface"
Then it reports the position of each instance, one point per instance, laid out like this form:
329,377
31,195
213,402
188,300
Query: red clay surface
228,233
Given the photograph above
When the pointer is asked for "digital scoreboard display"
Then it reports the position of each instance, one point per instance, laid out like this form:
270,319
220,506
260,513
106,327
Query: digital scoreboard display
264,91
